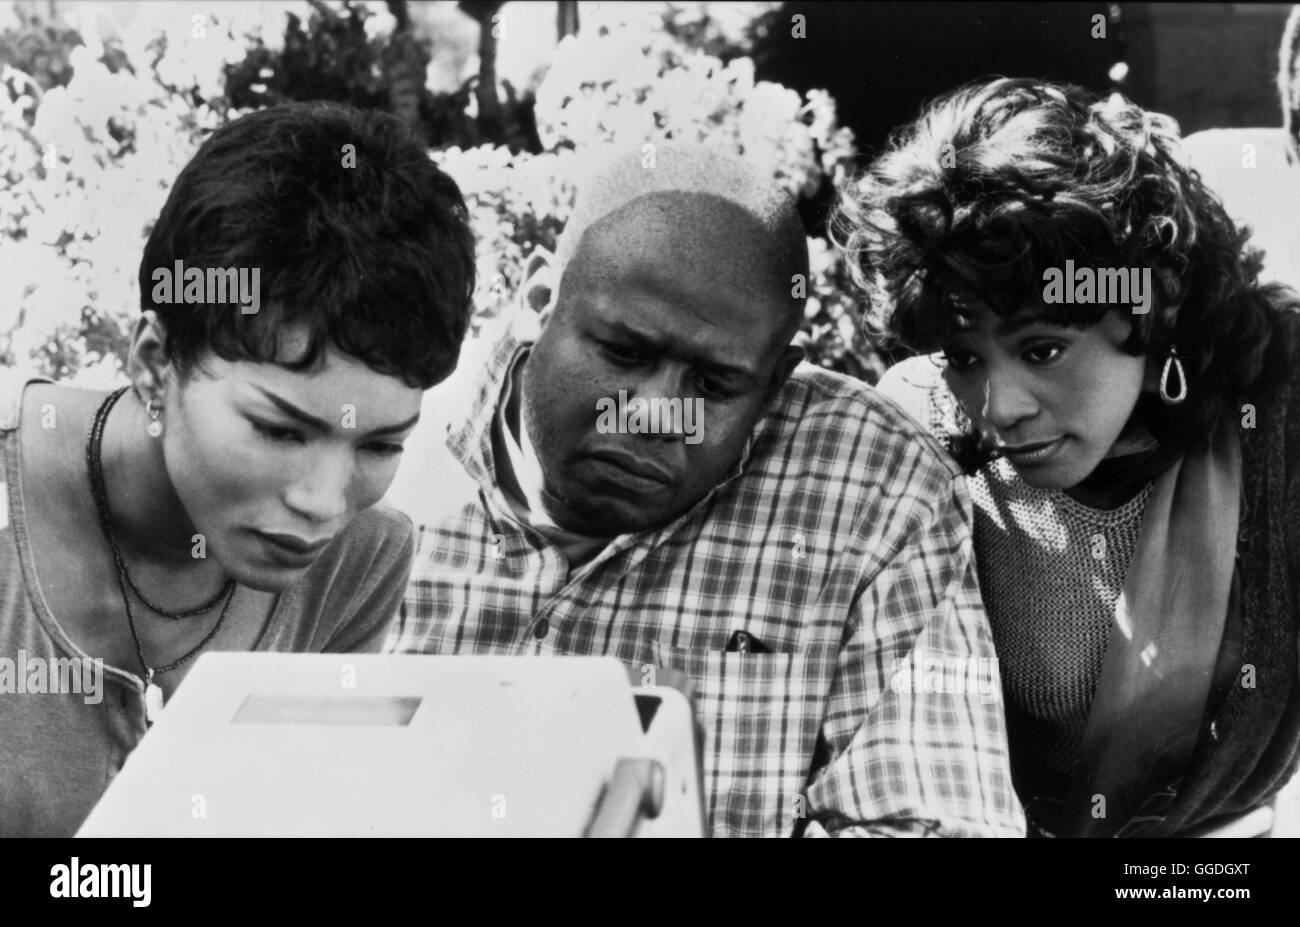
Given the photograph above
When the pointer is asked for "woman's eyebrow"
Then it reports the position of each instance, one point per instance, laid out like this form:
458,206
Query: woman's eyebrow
1013,325
289,409
393,429
307,418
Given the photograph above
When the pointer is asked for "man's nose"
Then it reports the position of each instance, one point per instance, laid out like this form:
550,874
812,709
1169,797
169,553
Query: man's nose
1006,401
321,493
663,385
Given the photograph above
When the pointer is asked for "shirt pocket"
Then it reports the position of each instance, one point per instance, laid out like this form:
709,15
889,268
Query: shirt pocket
760,714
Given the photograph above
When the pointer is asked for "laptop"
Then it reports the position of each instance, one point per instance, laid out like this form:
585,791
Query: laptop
271,744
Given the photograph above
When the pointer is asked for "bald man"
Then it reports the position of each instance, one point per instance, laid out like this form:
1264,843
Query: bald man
655,475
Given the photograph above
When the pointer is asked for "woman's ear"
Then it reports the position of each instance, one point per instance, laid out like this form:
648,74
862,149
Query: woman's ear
148,365
540,286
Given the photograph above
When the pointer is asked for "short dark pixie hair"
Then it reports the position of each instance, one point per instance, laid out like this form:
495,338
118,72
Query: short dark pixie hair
368,247
1001,180
1288,83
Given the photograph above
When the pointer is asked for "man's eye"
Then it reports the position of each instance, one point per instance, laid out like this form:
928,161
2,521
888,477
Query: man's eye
278,435
714,388
1043,353
621,354
958,359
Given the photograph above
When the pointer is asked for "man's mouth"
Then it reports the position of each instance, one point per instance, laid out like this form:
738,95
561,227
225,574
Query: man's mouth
637,472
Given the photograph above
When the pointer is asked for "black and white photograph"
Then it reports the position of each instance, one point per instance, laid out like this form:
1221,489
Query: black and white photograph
650,419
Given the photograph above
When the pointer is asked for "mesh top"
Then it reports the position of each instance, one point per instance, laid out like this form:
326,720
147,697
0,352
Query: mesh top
1051,571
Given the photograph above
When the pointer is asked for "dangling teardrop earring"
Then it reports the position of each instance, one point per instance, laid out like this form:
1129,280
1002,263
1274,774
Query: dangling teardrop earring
1172,361
155,427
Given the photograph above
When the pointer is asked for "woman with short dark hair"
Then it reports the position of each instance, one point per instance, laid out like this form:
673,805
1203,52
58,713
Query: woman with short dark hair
1124,394
308,278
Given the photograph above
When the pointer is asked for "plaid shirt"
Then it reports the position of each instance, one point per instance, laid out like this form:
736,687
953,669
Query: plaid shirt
841,542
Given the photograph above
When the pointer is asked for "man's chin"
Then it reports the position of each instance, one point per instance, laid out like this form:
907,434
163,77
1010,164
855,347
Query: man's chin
605,515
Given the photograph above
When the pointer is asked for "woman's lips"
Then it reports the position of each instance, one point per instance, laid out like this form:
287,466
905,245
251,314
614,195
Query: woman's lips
290,549
1033,453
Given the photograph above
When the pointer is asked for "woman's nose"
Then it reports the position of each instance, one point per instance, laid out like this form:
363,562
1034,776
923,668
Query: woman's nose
1006,402
321,494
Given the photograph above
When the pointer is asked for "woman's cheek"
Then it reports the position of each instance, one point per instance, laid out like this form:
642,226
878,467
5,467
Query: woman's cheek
249,467
374,482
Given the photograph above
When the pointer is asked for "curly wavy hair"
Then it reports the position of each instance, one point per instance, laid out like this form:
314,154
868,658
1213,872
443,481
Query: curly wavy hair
1000,180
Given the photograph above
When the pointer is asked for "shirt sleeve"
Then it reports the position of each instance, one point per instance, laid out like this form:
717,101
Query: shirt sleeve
915,727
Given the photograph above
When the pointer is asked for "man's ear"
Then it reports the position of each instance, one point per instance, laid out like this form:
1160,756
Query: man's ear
784,367
540,286
148,365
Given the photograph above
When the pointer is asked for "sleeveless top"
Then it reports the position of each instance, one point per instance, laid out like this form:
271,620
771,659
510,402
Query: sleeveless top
69,721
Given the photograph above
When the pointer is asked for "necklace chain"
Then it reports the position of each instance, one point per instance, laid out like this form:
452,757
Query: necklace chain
100,492
94,465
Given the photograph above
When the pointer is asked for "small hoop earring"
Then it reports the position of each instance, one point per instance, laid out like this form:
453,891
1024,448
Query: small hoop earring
1173,362
155,427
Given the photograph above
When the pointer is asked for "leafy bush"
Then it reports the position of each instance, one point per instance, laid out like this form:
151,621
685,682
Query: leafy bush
86,163
91,137
631,86
355,54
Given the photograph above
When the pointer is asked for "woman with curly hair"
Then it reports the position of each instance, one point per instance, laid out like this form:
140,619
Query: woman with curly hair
1132,455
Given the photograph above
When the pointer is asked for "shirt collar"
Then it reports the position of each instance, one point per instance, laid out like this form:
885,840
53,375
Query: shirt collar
470,442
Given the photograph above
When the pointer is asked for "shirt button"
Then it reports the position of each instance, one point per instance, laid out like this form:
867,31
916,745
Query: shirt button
540,629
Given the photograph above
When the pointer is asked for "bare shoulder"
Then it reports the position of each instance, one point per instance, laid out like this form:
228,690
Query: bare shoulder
55,420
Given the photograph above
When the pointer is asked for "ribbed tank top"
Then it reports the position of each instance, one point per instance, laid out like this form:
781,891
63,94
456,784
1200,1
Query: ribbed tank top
1051,571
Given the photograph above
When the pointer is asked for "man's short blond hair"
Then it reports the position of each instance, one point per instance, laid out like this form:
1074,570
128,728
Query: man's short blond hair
622,176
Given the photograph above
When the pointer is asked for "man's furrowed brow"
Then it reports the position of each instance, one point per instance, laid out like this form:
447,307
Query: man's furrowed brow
632,335
702,359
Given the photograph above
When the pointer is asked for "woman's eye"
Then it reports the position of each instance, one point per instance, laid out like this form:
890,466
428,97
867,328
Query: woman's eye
1042,353
385,449
278,435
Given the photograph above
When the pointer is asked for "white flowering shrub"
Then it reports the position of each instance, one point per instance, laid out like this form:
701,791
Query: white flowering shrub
638,83
86,167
